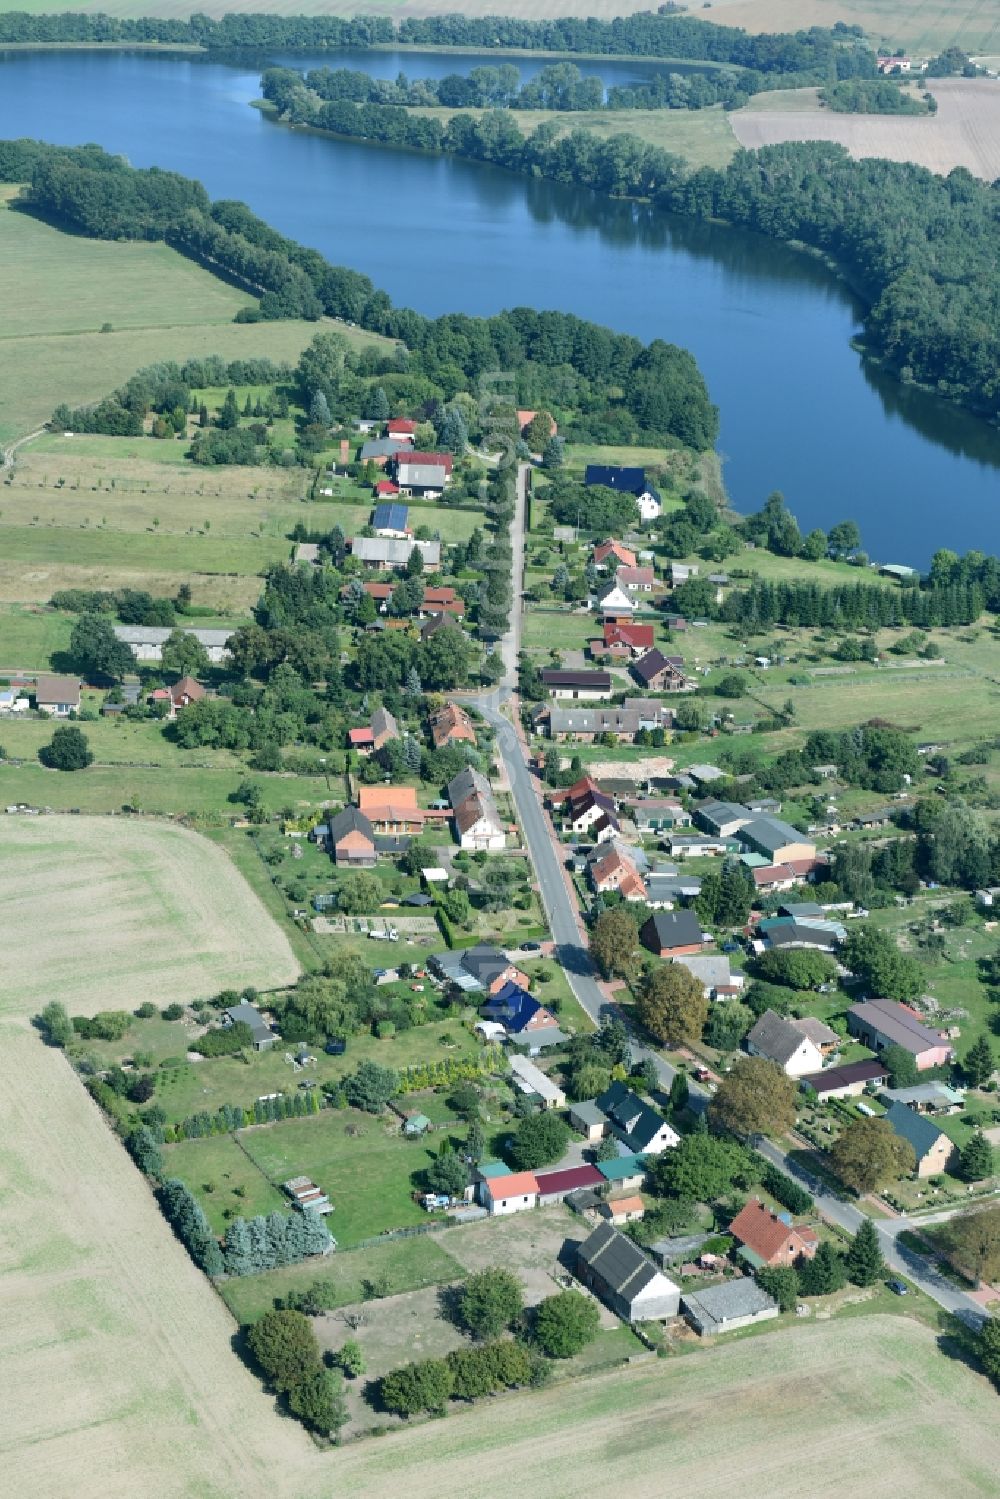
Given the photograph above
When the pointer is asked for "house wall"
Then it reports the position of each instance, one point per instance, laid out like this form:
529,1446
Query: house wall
590,1132
580,692
656,1303
937,1159
505,1206
732,1323
681,952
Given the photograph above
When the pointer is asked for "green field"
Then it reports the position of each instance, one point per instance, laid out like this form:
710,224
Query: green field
159,306
409,1265
701,136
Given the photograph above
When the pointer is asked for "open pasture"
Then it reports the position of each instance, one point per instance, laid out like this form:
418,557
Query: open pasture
118,912
965,132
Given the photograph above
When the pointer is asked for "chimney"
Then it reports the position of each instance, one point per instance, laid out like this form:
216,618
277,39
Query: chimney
345,451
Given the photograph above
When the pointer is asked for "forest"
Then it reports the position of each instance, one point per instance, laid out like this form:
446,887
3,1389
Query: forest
875,96
560,86
624,389
840,52
922,248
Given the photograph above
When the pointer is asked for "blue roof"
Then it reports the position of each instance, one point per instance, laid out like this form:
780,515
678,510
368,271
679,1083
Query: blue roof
390,516
512,1006
627,480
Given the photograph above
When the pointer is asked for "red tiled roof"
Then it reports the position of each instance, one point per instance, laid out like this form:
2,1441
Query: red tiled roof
445,460
639,636
400,424
360,736
519,1184
386,486
761,1230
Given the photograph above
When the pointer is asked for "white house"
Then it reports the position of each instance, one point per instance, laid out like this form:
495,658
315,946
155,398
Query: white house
515,1193
477,819
57,696
782,1042
146,641
649,504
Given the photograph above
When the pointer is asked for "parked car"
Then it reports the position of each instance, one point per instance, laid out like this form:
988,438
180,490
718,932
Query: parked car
531,947
898,1288
391,935
335,1046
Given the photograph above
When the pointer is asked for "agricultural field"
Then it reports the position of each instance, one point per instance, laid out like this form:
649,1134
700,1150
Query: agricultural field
965,132
130,912
159,305
119,1368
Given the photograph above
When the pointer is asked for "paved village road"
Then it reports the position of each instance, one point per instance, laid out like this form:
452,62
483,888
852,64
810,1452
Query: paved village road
571,952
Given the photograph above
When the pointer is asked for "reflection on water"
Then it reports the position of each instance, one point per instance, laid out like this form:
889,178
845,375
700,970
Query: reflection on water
801,409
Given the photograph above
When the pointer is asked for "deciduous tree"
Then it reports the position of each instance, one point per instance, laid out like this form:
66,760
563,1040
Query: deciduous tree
540,1139
755,1098
614,943
490,1302
868,1154
672,1005
565,1323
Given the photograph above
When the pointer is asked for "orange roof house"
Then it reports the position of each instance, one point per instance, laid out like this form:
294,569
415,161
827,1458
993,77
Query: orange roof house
770,1239
620,555
511,1194
450,725
391,809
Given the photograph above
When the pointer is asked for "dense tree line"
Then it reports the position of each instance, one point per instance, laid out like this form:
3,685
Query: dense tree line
851,605
560,86
875,96
165,388
558,359
816,52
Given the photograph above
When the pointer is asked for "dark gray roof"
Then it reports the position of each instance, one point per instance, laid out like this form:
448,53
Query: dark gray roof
775,1037
390,515
672,929
771,833
637,1122
712,1308
797,935
599,680
898,1025
914,1127
867,1071
617,1262
483,962
248,1014
350,820
381,447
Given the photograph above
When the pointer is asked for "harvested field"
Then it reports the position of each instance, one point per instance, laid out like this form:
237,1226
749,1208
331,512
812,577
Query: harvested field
829,1403
119,911
119,1376
965,132
921,28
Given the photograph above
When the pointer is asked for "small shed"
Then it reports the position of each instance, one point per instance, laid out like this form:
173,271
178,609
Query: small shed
415,1125
589,1120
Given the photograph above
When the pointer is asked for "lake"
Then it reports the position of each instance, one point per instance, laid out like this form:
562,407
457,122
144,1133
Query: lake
801,410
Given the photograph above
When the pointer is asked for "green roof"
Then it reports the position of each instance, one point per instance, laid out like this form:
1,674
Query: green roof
621,1167
490,1169
416,1124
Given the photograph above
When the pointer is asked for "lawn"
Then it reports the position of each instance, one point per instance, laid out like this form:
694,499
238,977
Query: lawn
185,791
408,1265
130,911
453,525
206,1085
29,635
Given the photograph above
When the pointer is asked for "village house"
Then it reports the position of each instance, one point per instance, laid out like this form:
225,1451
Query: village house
850,1080
392,519
384,553
57,696
612,553
617,1271
672,934
933,1150
522,1018
585,804
613,603
880,1023
423,474
442,600
401,429
667,887
623,722
361,740
379,451
715,974
146,641
351,840
782,932
392,809
636,1124
926,1098
181,695
625,642
659,673
614,871
576,684
626,481
781,1041
384,489
768,1238
247,1014
726,1307
588,1120
451,725
697,845
478,969
622,1210
636,579
477,821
